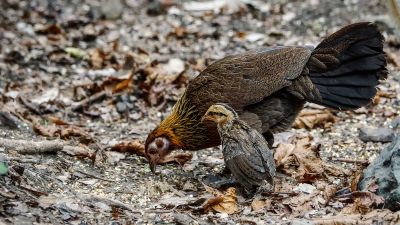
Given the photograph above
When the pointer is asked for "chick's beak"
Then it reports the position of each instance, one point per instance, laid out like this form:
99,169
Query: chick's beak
206,117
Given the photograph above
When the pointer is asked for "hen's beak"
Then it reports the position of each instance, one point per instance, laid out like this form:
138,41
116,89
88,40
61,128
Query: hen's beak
153,166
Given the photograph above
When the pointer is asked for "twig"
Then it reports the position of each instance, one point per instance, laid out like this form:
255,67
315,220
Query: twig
364,162
93,175
31,147
23,160
116,203
86,101
39,147
108,201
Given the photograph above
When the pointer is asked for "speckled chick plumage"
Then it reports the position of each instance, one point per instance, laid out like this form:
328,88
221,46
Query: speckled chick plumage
246,152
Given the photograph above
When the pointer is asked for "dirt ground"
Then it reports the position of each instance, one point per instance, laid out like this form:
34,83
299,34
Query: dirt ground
89,75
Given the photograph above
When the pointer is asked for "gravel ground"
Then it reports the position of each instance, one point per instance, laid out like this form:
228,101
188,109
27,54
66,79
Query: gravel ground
54,54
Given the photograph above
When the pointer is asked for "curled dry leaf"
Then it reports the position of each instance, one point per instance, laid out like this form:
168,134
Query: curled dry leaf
114,84
282,153
64,132
179,158
310,118
302,160
137,147
97,58
221,202
57,121
258,204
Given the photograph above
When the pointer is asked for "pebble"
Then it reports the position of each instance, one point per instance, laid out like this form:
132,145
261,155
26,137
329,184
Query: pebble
376,134
121,107
112,9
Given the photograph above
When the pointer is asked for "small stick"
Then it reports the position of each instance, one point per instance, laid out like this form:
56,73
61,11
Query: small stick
31,147
357,161
93,175
45,146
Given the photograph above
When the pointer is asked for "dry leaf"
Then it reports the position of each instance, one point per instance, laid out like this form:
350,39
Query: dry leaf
97,58
64,132
258,204
221,202
124,84
57,121
329,192
302,160
310,118
282,152
179,158
137,147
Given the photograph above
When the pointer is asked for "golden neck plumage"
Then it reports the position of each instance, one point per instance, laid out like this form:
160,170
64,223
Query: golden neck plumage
183,126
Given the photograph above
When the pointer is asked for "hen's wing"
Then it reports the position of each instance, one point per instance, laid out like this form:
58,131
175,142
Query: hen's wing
247,78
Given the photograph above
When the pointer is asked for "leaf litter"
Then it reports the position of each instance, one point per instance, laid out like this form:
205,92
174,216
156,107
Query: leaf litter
102,85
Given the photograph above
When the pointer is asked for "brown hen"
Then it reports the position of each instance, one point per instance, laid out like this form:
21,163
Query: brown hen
268,87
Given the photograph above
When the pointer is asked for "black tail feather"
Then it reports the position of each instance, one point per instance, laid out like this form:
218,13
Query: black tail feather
347,66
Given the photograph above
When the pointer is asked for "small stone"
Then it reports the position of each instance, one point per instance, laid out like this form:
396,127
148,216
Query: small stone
376,134
112,9
121,107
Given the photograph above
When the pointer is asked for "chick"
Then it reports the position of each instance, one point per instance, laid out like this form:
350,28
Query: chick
245,150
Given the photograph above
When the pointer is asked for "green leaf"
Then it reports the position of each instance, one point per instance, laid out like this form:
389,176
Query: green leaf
75,52
3,168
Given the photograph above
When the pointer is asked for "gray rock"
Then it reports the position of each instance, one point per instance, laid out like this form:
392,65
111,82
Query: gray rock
121,107
112,9
386,169
376,134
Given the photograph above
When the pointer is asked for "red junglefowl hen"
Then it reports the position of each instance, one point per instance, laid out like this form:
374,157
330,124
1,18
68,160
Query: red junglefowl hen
268,87
246,152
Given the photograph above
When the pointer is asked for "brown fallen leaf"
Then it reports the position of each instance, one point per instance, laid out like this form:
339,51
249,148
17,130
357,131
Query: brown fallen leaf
310,118
329,193
57,121
301,159
303,203
364,201
114,84
282,153
137,147
258,204
98,58
221,202
179,158
64,132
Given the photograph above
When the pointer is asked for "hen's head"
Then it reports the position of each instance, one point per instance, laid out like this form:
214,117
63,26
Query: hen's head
221,114
156,148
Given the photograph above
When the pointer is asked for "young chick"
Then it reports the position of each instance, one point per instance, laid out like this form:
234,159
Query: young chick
245,151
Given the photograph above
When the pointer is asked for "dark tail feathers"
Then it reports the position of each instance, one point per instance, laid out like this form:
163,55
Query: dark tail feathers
347,66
